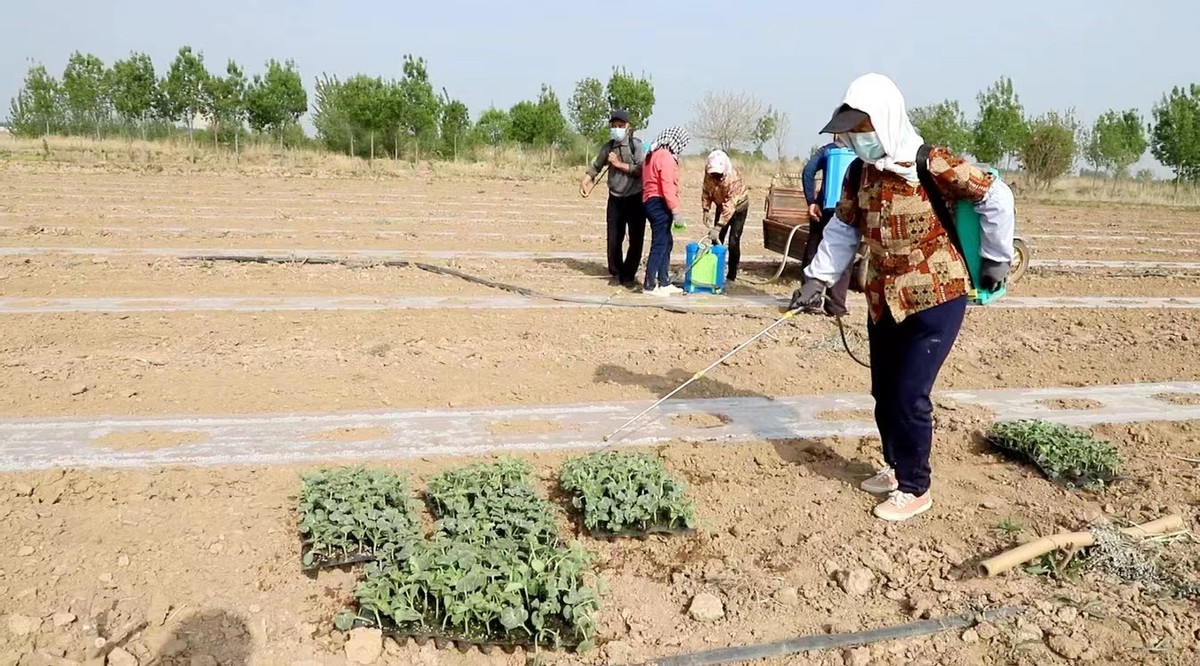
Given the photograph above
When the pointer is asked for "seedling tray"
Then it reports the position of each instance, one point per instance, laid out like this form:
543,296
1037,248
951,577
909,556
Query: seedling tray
640,533
1066,479
323,561
443,639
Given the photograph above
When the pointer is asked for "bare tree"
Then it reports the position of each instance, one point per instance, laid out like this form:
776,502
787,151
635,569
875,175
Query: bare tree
783,127
727,120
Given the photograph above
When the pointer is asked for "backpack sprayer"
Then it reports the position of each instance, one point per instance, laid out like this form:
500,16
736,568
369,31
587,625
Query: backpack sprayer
965,233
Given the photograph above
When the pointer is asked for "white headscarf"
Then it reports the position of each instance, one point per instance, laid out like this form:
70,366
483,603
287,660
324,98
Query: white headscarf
878,97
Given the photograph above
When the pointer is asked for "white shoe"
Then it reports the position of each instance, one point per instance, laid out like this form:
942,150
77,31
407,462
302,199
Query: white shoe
883,482
671,290
902,506
661,292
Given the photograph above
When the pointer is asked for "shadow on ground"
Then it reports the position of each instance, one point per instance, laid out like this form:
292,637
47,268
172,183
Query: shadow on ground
208,638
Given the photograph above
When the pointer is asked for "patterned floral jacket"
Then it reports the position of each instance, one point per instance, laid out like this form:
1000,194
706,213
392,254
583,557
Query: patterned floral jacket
912,265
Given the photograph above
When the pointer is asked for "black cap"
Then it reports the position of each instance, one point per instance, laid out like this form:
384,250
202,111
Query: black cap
844,119
619,114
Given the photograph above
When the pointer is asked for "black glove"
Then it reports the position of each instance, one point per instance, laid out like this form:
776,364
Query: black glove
992,274
810,297
714,235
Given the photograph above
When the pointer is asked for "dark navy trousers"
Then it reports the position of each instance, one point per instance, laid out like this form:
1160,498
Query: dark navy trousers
905,360
658,264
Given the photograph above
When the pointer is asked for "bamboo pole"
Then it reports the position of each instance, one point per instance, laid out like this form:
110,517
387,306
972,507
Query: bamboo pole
997,565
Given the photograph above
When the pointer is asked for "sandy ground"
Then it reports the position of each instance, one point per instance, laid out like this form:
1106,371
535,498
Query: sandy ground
208,557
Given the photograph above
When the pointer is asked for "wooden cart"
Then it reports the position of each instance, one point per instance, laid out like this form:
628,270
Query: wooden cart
786,216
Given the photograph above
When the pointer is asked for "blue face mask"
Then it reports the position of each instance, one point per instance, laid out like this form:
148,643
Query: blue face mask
617,133
866,145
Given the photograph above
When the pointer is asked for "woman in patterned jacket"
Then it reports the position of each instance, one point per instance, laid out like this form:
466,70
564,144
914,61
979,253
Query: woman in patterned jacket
916,279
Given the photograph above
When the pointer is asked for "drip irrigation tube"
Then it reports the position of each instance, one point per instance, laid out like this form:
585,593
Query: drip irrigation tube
445,270
812,643
516,289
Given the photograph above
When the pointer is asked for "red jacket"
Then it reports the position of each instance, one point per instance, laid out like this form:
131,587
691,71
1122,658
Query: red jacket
660,178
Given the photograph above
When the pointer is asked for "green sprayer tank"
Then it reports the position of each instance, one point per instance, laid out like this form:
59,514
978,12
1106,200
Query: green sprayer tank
966,223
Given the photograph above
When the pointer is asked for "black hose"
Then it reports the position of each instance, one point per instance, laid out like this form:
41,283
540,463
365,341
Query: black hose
828,642
846,344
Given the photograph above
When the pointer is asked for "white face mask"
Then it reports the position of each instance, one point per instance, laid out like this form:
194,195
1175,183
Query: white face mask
866,145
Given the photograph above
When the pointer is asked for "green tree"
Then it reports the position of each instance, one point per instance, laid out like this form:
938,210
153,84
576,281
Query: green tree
37,108
420,107
589,110
366,100
493,127
1175,135
132,87
85,92
331,117
456,121
1050,147
182,91
523,123
276,99
224,101
538,123
1000,130
1116,142
764,129
943,124
634,94
552,125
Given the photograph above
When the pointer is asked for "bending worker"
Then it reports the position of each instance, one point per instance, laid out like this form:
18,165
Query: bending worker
916,281
819,216
723,188
624,155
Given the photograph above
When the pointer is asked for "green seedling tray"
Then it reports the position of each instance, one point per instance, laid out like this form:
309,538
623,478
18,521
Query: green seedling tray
642,533
1074,479
431,630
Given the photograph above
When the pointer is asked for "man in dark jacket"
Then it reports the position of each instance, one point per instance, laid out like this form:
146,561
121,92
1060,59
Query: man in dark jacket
819,216
624,156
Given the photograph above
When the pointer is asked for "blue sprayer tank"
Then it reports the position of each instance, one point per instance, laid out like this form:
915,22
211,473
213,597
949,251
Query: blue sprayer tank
836,163
966,223
707,273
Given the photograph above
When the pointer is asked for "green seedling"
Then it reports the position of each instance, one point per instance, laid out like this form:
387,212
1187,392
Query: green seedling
351,511
1009,527
495,568
622,492
1063,453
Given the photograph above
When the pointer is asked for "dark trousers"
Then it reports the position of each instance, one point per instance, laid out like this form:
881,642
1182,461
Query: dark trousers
835,301
733,232
625,214
905,361
661,242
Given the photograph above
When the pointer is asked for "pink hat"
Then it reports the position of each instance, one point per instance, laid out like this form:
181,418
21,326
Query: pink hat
718,162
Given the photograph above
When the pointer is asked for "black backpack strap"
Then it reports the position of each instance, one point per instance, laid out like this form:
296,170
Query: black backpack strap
936,199
854,175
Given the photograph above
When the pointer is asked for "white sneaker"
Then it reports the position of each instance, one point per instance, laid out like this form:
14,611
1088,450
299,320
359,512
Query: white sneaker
657,291
902,506
883,482
671,290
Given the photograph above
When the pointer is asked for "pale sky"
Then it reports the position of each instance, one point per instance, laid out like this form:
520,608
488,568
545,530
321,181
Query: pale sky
798,56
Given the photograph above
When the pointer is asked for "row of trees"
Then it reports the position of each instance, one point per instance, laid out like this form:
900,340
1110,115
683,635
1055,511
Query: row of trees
361,115
370,116
129,98
1049,146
